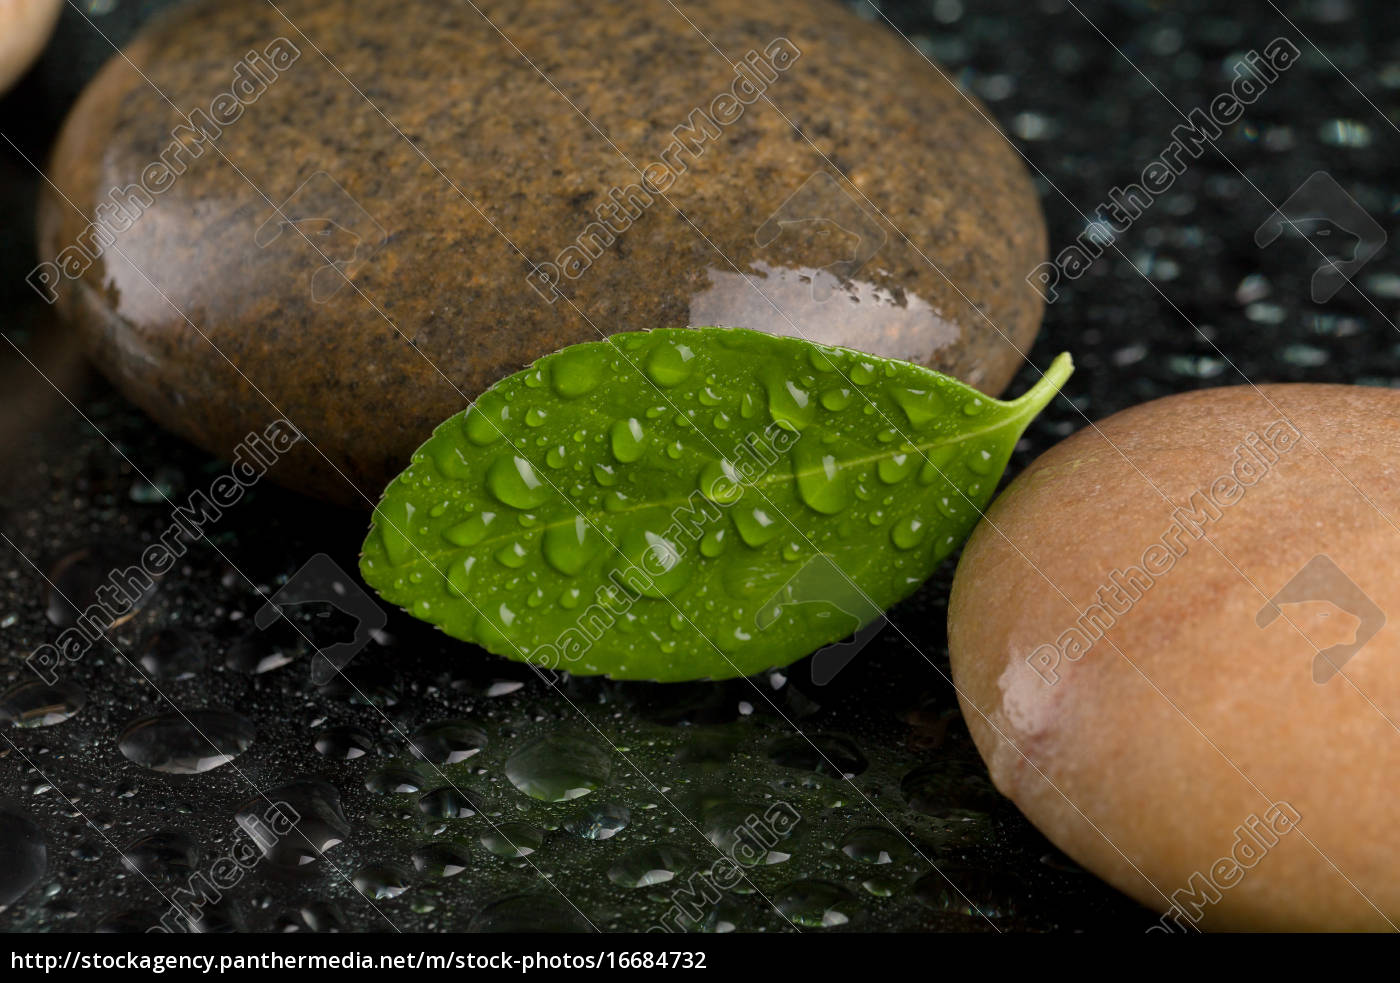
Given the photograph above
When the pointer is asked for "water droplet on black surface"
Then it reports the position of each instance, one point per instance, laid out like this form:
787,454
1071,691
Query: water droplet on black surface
344,742
558,767
650,865
817,904
187,744
747,832
163,855
443,859
447,742
171,653
23,854
295,824
601,821
513,839
532,913
875,845
73,583
822,753
451,803
969,891
323,916
40,704
394,780
263,651
221,917
949,791
381,882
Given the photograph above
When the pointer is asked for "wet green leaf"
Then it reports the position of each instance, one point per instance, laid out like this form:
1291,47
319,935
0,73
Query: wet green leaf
689,503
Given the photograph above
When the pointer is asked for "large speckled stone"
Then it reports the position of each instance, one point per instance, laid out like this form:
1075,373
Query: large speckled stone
357,248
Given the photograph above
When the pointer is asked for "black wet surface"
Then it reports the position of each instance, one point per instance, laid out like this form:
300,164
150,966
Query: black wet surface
1190,301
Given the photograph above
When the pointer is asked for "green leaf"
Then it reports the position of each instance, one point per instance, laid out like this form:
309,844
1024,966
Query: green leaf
690,503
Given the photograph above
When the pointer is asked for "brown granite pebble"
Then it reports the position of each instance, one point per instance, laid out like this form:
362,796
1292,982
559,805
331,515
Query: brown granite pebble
379,208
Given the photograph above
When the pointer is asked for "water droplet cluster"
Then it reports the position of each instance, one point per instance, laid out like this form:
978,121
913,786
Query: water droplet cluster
643,527
442,794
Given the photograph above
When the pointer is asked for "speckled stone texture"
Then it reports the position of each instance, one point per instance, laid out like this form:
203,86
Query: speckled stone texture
436,159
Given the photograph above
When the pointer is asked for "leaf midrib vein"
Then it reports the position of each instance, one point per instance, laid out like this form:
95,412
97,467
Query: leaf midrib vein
768,480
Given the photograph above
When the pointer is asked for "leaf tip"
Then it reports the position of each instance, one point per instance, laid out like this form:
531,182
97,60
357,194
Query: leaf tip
1038,396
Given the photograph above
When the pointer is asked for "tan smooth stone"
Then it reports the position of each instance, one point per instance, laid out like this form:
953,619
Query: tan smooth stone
1144,756
25,26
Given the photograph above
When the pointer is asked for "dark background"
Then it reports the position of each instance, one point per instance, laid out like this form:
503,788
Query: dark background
1189,301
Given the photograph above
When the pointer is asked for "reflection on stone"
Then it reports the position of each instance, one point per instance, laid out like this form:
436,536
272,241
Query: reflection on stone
818,305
